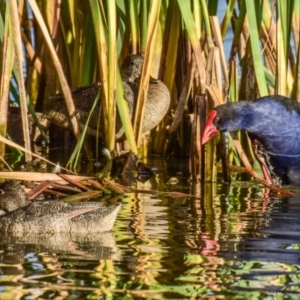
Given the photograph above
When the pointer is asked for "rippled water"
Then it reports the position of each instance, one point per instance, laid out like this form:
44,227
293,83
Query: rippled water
224,242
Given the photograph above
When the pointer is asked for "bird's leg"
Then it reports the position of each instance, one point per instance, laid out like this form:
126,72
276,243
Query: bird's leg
261,158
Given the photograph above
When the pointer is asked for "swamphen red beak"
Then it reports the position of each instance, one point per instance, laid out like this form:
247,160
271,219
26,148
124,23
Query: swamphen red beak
210,130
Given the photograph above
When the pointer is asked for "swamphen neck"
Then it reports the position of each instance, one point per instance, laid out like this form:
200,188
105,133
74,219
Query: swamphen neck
274,121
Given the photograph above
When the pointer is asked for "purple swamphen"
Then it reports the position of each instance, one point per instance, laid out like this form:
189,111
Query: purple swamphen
273,122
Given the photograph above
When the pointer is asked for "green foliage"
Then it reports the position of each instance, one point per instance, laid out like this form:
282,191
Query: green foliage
91,39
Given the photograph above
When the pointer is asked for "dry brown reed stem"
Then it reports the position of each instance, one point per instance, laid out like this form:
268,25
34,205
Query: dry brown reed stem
38,176
98,186
19,60
75,183
187,85
59,69
83,196
7,57
249,168
33,193
114,187
6,164
64,186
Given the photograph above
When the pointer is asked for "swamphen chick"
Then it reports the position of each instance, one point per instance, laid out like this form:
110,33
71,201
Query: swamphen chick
272,121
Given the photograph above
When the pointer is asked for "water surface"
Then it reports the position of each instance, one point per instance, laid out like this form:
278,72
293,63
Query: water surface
227,241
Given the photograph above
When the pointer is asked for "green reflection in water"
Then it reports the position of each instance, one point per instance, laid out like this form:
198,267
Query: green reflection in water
227,242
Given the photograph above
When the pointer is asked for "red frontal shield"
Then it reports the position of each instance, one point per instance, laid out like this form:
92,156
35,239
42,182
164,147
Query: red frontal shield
210,130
